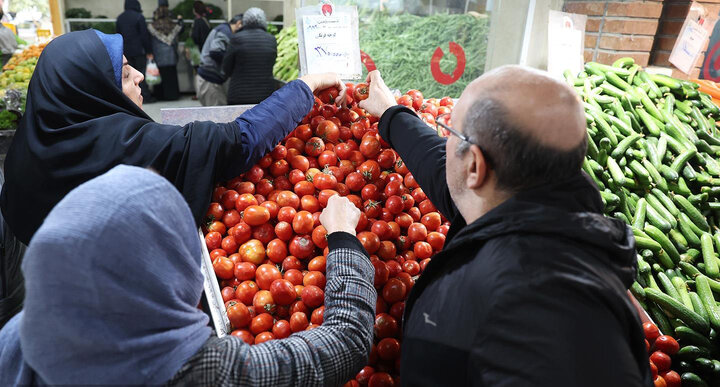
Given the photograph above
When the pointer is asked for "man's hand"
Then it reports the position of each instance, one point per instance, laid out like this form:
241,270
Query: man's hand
318,82
340,215
380,98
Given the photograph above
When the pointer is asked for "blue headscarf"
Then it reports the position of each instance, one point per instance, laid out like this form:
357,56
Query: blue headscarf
114,47
112,285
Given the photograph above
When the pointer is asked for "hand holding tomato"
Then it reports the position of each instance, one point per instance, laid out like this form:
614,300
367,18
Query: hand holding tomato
340,215
379,98
317,82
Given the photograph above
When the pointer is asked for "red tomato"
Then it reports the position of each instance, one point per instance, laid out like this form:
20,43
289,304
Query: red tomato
264,302
281,329
324,195
381,273
318,316
301,246
300,162
319,238
315,278
294,276
388,349
256,215
363,377
231,218
370,170
404,220
417,232
323,181
651,331
411,267
214,212
266,274
303,222
252,251
370,192
661,360
667,344
224,268
660,382
264,187
298,321
672,378
213,240
246,291
381,379
370,241
229,244
228,293
432,220
653,370
286,214
283,292
394,291
382,229
417,98
287,199
244,271
276,250
291,263
217,227
361,92
370,146
314,146
397,310
394,204
372,209
228,199
313,296
422,250
238,314
284,231
279,167
436,240
218,253
261,323
385,326
244,335
387,250
405,100
328,131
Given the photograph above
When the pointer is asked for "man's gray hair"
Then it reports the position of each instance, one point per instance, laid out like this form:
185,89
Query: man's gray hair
254,17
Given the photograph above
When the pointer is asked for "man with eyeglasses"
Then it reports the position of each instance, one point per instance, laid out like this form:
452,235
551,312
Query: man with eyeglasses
530,288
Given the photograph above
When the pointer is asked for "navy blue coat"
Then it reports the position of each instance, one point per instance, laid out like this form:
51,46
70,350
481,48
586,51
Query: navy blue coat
133,28
531,294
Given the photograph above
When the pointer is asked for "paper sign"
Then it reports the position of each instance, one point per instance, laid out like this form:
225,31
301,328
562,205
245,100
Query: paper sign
328,40
566,42
693,35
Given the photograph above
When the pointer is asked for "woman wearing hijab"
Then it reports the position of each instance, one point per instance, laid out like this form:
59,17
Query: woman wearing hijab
164,32
113,282
249,60
83,117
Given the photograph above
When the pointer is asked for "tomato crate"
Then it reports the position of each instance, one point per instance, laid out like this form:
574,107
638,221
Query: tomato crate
215,303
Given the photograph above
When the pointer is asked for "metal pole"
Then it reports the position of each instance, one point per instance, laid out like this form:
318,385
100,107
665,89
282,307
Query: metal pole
229,10
467,3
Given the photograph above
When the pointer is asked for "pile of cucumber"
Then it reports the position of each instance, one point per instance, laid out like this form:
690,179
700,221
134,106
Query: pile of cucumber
286,66
652,150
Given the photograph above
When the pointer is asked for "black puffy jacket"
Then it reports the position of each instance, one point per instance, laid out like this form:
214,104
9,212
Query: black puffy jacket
132,26
249,63
531,294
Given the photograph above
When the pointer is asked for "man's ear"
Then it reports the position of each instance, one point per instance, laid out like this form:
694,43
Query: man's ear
476,168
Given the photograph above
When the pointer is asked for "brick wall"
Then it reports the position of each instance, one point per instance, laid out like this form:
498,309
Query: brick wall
617,29
643,29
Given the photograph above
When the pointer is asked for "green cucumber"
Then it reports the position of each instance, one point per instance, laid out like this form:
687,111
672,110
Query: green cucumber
681,159
660,237
679,240
689,336
653,217
640,172
708,301
640,211
667,303
659,317
655,176
647,243
623,145
682,290
615,171
667,286
688,233
698,306
689,379
693,213
709,258
668,173
658,206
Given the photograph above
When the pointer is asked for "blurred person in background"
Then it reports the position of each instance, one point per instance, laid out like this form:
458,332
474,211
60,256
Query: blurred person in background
249,61
210,82
165,31
119,272
136,38
201,25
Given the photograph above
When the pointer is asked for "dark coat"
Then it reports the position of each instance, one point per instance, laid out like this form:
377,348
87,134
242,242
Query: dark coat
532,293
200,31
249,64
133,28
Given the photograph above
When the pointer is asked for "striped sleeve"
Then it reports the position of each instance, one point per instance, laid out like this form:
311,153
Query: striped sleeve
328,355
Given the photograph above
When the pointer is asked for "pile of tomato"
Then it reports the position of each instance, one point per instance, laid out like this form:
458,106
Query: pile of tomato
269,249
661,348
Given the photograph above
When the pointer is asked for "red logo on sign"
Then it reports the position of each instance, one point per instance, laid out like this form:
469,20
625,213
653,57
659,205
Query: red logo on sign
367,61
327,9
438,74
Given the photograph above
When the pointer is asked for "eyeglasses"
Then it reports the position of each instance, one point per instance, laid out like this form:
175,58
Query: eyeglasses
447,130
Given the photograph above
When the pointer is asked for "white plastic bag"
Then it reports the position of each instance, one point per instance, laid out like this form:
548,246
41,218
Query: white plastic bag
152,73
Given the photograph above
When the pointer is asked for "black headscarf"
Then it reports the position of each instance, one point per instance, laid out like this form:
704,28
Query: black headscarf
78,125
133,5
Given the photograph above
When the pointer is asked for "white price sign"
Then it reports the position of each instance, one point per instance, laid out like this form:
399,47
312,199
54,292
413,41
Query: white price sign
328,41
